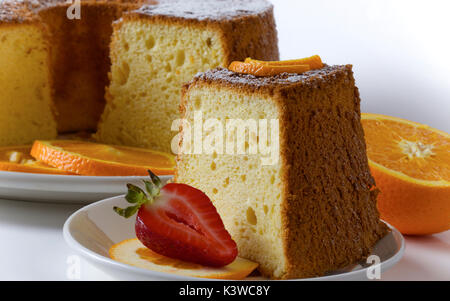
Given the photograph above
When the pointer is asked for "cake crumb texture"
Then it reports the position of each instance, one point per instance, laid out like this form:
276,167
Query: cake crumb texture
156,49
25,113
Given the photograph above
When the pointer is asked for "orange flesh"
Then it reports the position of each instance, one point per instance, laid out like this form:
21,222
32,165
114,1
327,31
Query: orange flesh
149,255
117,154
413,149
92,159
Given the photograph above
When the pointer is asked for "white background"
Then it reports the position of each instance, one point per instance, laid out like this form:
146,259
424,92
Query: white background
400,50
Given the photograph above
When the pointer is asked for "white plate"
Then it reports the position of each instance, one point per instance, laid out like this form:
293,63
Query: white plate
63,188
93,229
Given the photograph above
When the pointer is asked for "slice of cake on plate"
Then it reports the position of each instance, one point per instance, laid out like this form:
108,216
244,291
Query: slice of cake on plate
157,48
283,159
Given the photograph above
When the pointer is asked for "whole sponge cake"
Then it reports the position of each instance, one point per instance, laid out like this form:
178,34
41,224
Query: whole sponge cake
53,70
80,60
157,48
311,208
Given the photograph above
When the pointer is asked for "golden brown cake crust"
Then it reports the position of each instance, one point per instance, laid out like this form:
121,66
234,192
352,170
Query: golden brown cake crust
80,62
327,165
329,213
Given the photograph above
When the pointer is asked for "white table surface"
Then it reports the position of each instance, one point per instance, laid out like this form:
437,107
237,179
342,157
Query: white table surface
32,248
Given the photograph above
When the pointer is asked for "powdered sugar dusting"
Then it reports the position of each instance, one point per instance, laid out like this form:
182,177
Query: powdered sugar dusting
285,79
23,10
207,9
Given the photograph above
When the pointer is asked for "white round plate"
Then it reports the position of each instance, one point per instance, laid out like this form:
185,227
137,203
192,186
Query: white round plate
93,229
63,188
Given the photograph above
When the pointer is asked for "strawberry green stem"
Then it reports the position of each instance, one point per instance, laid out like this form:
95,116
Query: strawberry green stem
138,197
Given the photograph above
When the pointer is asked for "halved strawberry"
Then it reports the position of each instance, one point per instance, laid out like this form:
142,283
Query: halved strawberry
179,221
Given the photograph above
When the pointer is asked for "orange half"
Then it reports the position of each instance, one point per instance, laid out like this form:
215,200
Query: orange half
93,159
18,158
133,252
411,166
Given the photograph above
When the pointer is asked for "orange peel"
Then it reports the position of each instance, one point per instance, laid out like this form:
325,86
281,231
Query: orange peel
258,69
271,68
314,62
133,252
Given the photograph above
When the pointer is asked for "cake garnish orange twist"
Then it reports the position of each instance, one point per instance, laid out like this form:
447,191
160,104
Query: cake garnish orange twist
179,221
271,68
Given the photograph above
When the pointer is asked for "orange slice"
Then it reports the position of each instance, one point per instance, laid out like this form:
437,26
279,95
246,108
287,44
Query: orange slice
17,158
411,166
93,159
133,252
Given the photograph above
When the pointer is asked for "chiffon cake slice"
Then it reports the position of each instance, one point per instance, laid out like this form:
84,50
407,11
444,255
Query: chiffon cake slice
157,48
312,208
